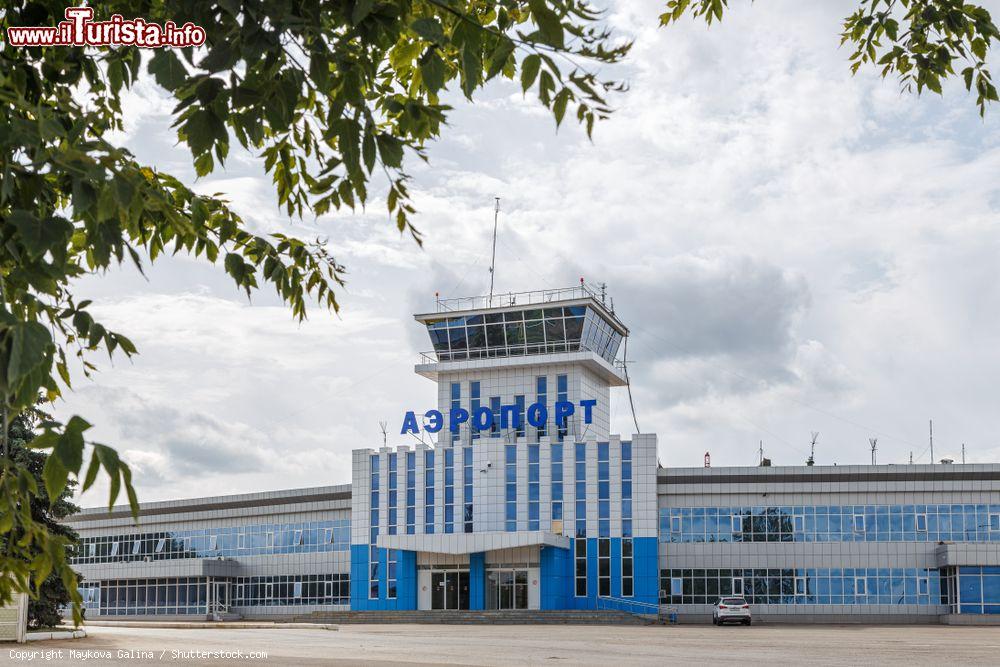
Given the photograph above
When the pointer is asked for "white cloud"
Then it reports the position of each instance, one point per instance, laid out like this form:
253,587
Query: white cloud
795,249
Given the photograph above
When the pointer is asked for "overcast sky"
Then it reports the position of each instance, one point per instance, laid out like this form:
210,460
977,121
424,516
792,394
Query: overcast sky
794,250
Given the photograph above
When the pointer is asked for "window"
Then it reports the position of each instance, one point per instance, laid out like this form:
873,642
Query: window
562,394
737,523
738,586
627,568
581,567
800,585
392,567
373,555
533,487
297,538
474,394
297,589
510,488
581,489
393,494
411,492
676,586
114,548
456,403
860,586
604,567
626,489
449,490
429,491
603,490
798,523
995,522
859,523
675,524
136,546
923,586
541,397
467,487
159,544
921,523
519,411
557,483
495,409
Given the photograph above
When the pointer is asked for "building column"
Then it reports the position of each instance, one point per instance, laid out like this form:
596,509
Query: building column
477,580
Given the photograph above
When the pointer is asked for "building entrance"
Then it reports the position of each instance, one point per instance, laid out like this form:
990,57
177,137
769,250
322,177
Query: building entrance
450,590
507,589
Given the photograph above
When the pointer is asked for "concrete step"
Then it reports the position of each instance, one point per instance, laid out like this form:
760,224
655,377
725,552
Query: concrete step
504,617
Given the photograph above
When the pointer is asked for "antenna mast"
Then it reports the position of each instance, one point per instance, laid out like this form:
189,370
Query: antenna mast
874,443
385,438
812,449
932,440
493,261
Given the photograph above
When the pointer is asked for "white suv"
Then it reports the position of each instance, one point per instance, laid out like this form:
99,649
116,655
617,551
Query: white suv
735,610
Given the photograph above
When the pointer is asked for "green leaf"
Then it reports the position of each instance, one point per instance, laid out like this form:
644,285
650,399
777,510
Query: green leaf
362,8
54,475
69,448
92,470
472,69
529,71
201,130
559,105
429,29
390,149
548,23
499,57
168,69
433,71
368,150
30,348
978,47
234,266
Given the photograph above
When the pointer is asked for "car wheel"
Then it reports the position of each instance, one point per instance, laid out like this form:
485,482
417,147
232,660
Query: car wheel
746,622
715,621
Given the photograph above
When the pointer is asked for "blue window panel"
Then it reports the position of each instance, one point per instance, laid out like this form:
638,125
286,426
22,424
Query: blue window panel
541,396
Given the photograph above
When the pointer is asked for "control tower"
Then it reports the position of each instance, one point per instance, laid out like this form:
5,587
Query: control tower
522,499
522,349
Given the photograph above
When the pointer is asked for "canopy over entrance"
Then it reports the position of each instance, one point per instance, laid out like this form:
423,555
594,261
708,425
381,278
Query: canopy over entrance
469,543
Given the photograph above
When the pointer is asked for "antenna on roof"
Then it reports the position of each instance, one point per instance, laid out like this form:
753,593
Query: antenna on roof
931,426
812,449
493,261
385,437
874,444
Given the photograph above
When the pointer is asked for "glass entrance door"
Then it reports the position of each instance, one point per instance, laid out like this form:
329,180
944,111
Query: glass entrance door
219,597
450,590
507,589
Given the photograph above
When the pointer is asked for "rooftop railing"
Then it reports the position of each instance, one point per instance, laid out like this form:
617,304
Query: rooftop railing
581,291
501,352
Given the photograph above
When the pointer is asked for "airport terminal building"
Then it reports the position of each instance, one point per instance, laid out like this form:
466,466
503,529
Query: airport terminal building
522,499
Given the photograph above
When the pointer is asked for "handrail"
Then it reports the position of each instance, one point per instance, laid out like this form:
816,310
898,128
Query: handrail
509,351
518,298
651,608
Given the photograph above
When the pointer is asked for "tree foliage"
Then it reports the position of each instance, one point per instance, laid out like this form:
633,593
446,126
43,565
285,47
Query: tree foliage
330,96
325,93
53,593
45,609
918,41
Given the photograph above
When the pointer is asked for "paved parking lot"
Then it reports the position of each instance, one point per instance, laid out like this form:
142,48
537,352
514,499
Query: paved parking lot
527,645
